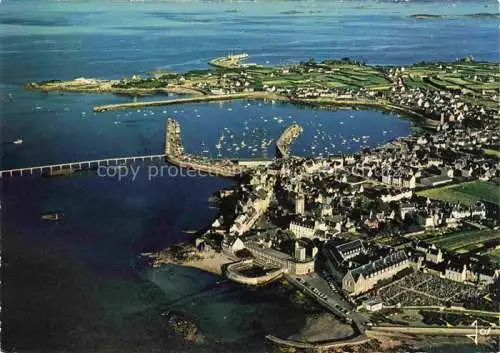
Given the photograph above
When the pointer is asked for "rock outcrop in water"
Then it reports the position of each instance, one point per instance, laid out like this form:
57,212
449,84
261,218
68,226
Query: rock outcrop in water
183,327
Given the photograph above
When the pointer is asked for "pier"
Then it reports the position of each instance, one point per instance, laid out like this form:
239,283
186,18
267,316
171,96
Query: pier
69,167
197,99
229,61
174,154
286,139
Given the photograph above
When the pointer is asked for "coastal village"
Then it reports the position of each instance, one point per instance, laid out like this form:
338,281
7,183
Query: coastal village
367,235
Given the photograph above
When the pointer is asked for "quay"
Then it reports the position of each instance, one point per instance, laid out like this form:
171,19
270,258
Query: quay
286,139
174,154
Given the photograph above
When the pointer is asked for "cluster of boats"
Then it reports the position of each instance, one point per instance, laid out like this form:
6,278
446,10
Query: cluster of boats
250,140
256,136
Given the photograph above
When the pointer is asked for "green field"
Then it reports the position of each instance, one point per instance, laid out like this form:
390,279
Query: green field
472,77
466,193
491,152
456,241
495,256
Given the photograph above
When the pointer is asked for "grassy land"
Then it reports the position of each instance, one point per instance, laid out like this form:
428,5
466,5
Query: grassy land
461,240
495,256
466,193
471,77
339,75
492,152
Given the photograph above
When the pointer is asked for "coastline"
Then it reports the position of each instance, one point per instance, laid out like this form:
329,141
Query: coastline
211,262
198,96
106,86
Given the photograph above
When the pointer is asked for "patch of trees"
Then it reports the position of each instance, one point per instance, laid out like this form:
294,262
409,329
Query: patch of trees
244,254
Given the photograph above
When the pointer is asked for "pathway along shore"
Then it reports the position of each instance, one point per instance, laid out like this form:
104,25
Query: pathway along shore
207,98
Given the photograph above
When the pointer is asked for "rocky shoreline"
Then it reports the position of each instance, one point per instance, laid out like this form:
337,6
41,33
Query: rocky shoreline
187,255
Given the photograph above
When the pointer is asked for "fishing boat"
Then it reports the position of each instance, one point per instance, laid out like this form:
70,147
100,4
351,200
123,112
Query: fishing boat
18,142
52,216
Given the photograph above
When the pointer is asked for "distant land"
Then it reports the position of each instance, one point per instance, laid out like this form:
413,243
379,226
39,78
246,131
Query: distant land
441,17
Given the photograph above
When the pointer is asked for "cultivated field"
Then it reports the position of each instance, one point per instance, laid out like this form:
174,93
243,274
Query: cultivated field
460,240
466,193
462,76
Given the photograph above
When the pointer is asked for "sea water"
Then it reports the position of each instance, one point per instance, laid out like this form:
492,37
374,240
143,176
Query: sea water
74,283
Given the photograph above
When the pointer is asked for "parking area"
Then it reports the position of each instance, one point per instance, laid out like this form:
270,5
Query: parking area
324,293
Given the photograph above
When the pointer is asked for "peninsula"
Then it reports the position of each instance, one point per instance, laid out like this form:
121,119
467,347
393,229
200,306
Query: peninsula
342,82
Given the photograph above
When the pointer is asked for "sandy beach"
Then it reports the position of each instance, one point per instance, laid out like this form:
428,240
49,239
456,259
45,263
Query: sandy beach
212,262
209,261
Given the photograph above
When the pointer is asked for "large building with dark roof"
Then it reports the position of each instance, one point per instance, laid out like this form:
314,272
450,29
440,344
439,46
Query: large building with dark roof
365,277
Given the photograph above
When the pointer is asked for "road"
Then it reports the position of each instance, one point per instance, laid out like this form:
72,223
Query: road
318,288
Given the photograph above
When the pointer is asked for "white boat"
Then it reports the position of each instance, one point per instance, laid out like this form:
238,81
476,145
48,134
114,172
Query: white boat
18,142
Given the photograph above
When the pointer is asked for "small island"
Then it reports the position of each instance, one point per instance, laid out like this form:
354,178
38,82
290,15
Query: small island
426,17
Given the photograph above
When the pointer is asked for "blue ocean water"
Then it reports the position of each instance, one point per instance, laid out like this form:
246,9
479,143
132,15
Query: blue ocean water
72,285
